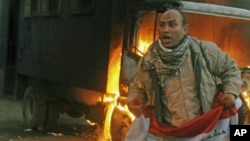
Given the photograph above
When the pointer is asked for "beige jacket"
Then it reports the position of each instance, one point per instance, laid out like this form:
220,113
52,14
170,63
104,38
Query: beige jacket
212,62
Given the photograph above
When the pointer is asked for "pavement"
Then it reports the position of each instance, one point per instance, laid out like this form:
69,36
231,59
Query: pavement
69,129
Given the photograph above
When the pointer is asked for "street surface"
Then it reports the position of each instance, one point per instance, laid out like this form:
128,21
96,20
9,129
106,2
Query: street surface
69,129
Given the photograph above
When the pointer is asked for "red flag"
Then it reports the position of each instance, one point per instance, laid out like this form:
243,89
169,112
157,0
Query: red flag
200,125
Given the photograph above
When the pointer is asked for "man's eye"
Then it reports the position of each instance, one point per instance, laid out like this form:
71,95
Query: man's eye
162,25
172,24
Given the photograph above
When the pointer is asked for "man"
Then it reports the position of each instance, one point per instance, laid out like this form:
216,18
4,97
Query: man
185,72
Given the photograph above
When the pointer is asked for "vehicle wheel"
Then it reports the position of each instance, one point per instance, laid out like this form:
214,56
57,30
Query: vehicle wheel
34,110
120,123
39,114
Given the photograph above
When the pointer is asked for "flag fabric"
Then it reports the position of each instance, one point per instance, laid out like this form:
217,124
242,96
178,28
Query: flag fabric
211,126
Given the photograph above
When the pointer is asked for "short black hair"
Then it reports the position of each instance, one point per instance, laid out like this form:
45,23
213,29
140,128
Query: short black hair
183,15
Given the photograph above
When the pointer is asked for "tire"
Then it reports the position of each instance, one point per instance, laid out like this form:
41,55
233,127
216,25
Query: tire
39,114
31,105
120,123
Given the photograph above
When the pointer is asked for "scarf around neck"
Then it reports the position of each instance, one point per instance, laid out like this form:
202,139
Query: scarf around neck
171,60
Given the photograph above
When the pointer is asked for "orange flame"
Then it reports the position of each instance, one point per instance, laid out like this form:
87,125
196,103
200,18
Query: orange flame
113,84
142,48
112,87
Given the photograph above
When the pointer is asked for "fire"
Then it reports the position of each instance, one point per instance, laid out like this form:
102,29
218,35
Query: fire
114,72
107,122
142,48
145,38
125,108
246,96
113,85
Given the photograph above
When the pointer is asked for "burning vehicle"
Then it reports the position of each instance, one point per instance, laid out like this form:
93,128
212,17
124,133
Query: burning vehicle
78,56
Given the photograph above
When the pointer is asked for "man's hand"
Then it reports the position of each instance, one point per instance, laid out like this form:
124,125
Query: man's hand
230,100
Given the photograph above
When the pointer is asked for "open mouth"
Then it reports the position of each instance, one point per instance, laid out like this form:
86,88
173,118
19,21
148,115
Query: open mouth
165,37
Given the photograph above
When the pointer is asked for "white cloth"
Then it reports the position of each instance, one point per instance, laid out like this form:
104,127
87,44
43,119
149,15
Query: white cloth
139,130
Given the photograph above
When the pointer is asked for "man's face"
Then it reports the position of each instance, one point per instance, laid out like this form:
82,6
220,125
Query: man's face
171,28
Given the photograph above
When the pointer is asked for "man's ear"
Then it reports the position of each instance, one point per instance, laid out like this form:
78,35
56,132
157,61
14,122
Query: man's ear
186,28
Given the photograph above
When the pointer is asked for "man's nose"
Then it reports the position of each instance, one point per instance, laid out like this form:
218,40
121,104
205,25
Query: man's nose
165,29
